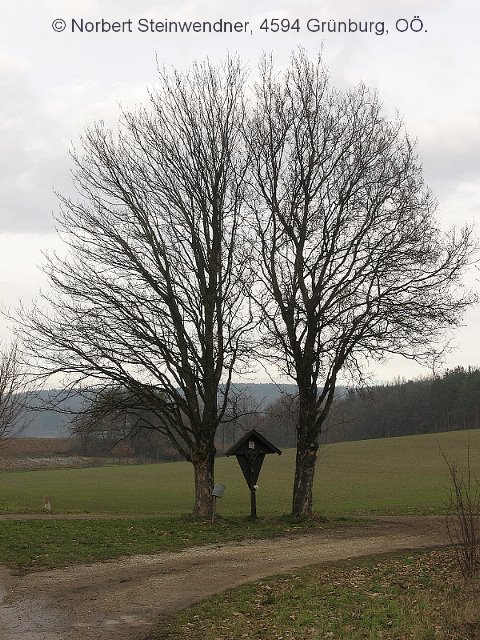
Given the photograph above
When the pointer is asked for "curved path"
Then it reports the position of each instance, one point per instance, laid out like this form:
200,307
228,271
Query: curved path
123,599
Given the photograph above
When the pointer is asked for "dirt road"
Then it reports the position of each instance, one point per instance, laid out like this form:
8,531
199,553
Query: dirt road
124,599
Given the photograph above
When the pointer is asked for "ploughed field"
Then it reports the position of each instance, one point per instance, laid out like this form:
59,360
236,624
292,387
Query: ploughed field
27,454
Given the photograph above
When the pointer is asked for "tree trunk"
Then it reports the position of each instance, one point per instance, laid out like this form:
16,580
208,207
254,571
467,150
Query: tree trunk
307,447
303,482
204,472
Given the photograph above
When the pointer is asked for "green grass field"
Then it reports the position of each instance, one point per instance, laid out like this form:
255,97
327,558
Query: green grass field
415,597
388,476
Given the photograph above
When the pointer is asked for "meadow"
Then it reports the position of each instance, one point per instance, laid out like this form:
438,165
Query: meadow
415,596
405,475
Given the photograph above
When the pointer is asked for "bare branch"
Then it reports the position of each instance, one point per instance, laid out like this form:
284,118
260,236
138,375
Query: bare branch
151,296
352,264
13,387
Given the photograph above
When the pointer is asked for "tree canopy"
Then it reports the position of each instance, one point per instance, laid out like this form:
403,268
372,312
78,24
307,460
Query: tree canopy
352,262
214,230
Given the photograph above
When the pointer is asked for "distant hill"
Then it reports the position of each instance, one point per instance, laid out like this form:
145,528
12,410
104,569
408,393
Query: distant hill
263,394
47,423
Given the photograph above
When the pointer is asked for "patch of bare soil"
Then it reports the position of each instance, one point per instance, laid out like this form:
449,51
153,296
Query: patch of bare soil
28,454
124,599
33,462
40,446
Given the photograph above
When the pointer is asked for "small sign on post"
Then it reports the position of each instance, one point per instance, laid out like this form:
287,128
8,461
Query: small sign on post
217,492
250,452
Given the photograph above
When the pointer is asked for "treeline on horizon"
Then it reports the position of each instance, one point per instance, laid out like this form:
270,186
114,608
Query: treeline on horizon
427,405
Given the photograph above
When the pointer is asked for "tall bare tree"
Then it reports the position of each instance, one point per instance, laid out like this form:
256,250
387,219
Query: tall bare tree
151,294
353,263
12,394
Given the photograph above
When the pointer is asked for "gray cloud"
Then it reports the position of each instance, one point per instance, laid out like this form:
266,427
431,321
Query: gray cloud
449,150
36,132
50,92
30,153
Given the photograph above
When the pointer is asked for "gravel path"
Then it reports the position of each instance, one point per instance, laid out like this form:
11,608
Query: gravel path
124,599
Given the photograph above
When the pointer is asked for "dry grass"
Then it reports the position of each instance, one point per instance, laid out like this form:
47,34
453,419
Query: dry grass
408,597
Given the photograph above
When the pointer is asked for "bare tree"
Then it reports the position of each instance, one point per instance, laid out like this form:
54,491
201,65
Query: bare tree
108,420
113,423
12,395
151,294
463,517
353,264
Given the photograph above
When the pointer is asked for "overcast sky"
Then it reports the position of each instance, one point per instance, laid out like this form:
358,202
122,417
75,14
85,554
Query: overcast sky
54,83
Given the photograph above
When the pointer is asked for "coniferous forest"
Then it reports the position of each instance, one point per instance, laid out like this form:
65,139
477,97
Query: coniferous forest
427,405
